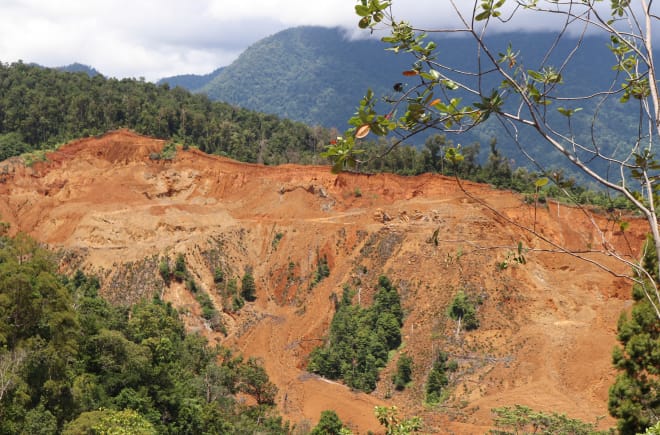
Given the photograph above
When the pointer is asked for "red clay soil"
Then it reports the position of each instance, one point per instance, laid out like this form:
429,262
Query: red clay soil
547,328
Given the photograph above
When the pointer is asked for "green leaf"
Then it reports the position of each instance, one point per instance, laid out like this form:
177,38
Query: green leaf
541,182
453,155
535,75
482,16
450,85
362,10
568,112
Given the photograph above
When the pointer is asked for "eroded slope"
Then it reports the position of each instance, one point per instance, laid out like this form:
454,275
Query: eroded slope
547,328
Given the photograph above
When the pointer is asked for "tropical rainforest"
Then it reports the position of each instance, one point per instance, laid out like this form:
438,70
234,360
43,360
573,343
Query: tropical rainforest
360,338
41,108
72,363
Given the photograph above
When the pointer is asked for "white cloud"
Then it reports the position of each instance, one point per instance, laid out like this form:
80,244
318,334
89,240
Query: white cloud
156,38
288,12
122,38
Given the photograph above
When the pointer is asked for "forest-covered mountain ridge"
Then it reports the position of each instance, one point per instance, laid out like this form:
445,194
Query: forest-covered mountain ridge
318,75
191,82
190,227
79,67
41,108
313,74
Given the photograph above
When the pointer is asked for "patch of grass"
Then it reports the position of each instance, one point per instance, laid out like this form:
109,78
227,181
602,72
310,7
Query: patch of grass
169,151
29,159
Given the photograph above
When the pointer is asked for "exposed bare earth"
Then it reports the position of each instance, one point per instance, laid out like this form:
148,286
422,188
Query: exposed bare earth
547,328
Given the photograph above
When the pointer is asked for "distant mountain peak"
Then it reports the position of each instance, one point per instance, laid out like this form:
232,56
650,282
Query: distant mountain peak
192,82
79,67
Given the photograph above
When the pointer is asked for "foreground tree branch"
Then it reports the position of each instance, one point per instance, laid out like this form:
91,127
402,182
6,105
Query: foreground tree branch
500,84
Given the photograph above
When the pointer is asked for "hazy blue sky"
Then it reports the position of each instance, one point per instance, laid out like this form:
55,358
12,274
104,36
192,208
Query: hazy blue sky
158,38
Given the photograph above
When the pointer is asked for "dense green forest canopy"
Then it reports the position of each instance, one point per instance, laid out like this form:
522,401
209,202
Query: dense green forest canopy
360,338
41,107
190,81
72,363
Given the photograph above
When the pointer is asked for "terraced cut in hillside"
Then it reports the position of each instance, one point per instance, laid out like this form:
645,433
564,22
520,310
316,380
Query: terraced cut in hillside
546,330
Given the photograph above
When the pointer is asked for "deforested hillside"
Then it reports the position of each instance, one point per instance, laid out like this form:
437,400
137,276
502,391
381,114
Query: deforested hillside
260,258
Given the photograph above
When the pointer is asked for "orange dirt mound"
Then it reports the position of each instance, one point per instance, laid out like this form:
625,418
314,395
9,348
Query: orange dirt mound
547,328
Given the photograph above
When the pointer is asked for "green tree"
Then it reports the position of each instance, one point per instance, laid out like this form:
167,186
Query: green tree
209,311
43,107
38,334
387,300
180,269
395,424
248,287
497,170
119,362
164,270
234,300
329,424
254,381
11,362
33,301
438,378
218,276
653,430
39,421
403,374
433,153
634,399
11,144
387,325
154,319
110,422
464,312
322,271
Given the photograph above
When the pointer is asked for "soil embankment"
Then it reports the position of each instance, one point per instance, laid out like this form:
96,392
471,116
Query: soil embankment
547,328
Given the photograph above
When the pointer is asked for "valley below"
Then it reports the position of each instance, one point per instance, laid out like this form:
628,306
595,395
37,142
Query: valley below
547,328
